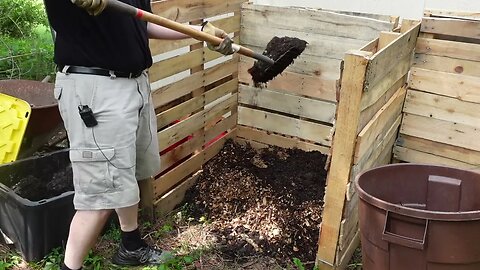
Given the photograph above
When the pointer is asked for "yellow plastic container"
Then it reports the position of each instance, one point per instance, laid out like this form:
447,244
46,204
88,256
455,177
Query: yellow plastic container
14,116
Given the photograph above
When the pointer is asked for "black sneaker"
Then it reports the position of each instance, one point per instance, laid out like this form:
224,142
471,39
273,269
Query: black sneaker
142,256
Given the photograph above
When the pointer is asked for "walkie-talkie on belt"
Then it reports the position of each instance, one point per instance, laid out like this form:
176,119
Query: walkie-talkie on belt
87,115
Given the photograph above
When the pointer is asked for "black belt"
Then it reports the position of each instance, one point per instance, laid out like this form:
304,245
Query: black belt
100,72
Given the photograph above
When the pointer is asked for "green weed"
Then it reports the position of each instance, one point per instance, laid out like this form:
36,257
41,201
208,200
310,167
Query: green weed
113,233
94,262
9,259
299,265
4,265
18,18
26,45
179,262
52,261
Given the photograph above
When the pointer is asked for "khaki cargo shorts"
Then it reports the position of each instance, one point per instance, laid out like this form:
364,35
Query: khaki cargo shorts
107,159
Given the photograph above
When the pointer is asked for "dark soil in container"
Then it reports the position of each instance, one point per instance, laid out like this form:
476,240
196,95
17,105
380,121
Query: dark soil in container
47,186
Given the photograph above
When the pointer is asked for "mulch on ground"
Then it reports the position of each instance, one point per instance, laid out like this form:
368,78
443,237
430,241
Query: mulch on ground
262,202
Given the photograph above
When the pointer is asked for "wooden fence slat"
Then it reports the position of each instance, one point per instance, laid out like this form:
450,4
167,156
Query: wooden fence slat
367,114
285,125
180,111
383,85
318,45
348,227
453,14
224,125
176,64
221,71
384,60
441,131
452,49
442,108
190,10
185,86
174,177
451,27
286,103
178,89
314,21
377,153
255,135
452,85
299,84
322,68
343,261
439,149
414,156
173,198
386,38
378,127
447,64
180,152
192,105
407,24
188,126
221,90
372,46
348,114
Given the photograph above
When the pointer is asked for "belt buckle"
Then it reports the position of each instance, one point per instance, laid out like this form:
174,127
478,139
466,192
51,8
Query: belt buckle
112,74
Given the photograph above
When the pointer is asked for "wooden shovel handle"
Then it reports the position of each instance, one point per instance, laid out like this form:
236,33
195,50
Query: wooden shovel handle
185,29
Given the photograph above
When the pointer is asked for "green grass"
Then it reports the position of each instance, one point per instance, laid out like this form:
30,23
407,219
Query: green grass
29,57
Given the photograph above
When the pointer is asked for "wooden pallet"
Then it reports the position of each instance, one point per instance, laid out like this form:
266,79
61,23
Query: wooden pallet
368,117
440,118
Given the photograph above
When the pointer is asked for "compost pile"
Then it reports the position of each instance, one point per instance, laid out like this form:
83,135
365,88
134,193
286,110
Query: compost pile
262,202
48,186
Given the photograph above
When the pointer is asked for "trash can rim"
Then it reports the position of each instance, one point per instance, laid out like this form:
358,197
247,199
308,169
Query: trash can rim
412,212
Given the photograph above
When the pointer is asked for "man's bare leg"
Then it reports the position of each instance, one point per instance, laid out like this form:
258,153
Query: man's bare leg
128,218
84,231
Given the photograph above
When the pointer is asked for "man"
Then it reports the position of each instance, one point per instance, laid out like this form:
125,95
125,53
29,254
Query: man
104,98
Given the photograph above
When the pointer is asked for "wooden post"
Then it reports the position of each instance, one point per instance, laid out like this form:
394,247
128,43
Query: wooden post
348,115
146,198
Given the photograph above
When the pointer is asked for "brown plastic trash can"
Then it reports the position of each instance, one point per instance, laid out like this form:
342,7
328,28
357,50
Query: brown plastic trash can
419,217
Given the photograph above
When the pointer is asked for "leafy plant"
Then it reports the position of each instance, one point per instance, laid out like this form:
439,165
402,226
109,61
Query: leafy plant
26,45
4,265
18,18
166,228
52,261
179,262
94,261
113,233
298,264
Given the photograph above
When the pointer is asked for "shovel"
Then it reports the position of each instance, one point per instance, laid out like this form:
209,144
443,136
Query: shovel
264,70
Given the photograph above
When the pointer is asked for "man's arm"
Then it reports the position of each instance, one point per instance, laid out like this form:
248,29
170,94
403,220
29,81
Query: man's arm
159,32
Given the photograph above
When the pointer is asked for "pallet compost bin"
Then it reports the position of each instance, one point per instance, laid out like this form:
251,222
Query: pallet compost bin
35,227
199,98
343,97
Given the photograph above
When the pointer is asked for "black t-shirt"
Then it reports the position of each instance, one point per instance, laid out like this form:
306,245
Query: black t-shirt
110,40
